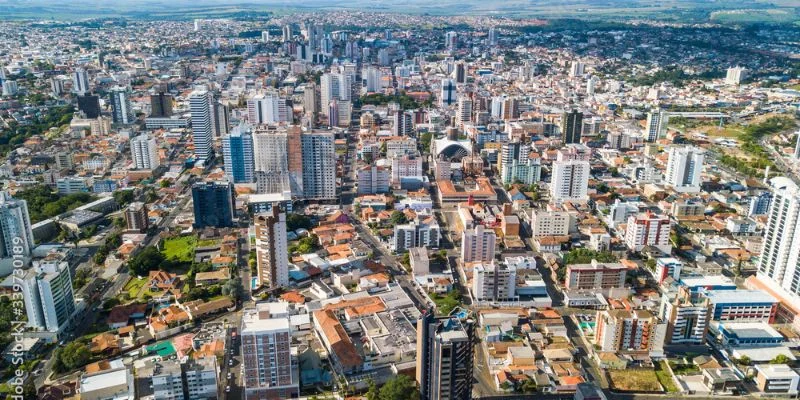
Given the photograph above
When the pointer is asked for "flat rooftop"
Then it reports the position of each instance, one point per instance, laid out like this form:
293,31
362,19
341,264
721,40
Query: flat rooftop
740,296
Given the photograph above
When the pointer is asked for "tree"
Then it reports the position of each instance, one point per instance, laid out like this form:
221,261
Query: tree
72,356
529,386
398,218
145,261
744,360
400,387
780,359
650,264
233,288
297,221
585,256
123,197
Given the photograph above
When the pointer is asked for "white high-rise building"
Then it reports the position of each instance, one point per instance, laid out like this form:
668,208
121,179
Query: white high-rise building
576,69
197,24
278,157
780,255
268,109
202,127
268,367
494,281
648,229
49,299
684,168
735,75
334,86
570,181
121,106
478,244
549,223
372,79
492,36
319,165
144,152
657,121
10,88
15,227
451,40
80,81
464,112
272,254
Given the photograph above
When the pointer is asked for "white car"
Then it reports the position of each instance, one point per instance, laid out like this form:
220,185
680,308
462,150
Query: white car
227,389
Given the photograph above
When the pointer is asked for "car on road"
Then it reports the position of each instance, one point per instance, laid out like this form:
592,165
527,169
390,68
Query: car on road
230,362
227,389
230,375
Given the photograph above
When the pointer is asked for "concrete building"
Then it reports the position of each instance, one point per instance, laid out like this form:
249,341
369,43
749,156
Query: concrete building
447,96
742,305
444,357
774,379
406,166
478,244
144,152
549,223
16,234
735,75
268,109
595,276
628,331
648,229
116,383
160,105
424,233
779,262
494,281
687,319
570,181
656,126
136,218
279,154
269,370
319,166
80,82
272,254
200,102
48,295
684,169
372,179
121,109
571,126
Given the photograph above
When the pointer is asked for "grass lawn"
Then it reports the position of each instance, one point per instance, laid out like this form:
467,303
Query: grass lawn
180,248
134,286
684,369
446,303
664,377
207,242
635,379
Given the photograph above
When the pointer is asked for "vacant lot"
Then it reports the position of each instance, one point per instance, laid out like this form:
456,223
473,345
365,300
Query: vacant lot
180,248
635,380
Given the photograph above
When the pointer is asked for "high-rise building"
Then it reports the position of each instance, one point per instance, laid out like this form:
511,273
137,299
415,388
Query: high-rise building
221,115
779,263
372,79
272,254
423,233
334,86
160,105
549,223
144,152
89,105
268,109
464,111
319,165
494,281
570,181
49,299
10,88
445,357
451,40
287,33
478,244
571,126
213,204
278,154
404,166
167,381
492,36
576,68
310,99
237,152
136,217
372,179
15,227
402,124
448,94
269,371
735,75
195,379
80,81
518,164
687,319
629,331
121,106
684,167
657,121
461,72
200,107
648,229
